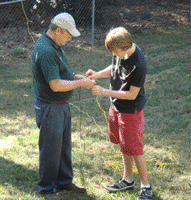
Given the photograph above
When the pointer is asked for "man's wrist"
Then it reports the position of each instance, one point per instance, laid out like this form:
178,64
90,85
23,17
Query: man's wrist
79,82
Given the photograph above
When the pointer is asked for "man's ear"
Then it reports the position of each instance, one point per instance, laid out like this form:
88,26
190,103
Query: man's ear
58,31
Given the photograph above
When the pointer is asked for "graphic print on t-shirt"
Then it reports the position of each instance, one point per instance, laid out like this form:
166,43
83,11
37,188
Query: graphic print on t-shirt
125,73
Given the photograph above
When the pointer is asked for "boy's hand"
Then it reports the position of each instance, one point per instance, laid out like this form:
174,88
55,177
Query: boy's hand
92,74
97,90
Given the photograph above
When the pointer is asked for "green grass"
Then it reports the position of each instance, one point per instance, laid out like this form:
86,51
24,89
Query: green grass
96,162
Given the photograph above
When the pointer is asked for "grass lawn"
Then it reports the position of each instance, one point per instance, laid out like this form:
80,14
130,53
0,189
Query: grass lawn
167,133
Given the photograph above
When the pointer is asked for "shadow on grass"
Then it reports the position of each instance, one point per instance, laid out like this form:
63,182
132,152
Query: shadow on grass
23,179
18,176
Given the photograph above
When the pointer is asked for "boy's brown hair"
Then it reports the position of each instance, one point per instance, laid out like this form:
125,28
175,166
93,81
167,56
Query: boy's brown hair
118,38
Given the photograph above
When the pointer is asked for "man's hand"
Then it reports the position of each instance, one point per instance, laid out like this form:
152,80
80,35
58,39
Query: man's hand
97,90
92,74
87,83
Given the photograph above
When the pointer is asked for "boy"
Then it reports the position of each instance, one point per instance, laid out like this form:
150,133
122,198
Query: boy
127,96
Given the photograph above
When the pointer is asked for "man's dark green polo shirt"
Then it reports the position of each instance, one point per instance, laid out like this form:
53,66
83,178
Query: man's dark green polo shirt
49,62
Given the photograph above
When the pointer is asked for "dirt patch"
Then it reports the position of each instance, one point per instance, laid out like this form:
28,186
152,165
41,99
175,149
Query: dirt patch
7,57
171,55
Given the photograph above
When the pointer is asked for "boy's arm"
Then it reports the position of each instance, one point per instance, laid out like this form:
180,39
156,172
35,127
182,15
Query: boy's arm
105,73
125,95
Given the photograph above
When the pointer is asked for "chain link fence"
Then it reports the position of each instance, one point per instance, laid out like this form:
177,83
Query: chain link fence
21,19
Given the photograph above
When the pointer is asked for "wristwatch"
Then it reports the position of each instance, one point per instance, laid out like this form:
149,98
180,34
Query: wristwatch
104,91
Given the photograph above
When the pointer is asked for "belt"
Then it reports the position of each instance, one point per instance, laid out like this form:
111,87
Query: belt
58,102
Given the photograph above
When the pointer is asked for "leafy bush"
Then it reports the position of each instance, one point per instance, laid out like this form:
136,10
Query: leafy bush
18,51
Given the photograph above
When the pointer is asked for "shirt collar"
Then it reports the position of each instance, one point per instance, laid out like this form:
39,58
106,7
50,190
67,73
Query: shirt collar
51,40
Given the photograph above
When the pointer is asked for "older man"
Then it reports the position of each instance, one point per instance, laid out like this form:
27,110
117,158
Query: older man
53,82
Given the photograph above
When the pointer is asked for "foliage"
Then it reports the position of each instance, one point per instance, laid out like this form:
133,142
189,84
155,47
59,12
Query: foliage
18,51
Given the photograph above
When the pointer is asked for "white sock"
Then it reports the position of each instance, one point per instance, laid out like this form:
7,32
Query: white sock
145,186
127,180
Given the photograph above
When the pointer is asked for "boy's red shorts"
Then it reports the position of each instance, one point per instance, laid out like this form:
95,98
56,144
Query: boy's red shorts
127,131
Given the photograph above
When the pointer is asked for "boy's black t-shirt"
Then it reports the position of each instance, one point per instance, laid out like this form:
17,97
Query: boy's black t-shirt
125,73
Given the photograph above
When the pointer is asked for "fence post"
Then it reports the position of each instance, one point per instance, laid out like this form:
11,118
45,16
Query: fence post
190,10
93,20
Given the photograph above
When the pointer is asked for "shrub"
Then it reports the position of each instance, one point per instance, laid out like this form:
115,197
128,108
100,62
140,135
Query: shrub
18,51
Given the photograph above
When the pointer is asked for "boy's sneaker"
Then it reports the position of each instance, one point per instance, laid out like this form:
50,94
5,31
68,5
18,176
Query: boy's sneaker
145,194
122,185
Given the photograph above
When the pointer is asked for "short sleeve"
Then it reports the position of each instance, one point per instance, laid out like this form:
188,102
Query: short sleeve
49,67
139,76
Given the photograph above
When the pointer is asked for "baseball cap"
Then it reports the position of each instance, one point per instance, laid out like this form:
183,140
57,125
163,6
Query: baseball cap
66,21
